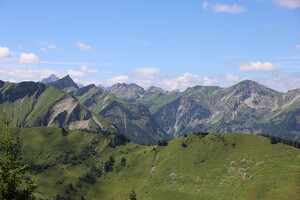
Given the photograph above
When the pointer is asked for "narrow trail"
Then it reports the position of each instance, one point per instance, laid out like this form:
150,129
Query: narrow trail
153,168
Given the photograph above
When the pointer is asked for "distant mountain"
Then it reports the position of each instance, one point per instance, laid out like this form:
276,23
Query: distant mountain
65,84
50,79
128,92
247,107
147,116
133,120
30,104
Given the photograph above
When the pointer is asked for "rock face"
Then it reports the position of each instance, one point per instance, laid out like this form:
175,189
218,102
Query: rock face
135,121
246,107
50,79
146,116
129,93
65,84
30,104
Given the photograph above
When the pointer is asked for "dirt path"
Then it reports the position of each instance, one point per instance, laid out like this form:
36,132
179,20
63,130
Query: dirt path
153,168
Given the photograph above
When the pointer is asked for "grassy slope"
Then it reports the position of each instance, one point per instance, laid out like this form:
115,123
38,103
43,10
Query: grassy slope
205,169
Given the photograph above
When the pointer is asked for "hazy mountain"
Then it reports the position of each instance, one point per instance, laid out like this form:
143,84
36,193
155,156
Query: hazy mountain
135,121
50,79
128,92
147,116
65,84
30,104
246,107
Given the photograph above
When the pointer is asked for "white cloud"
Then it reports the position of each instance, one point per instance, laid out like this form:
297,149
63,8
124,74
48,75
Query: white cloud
118,79
85,68
282,81
75,74
49,46
257,67
82,46
27,74
187,80
298,46
43,49
29,58
233,9
147,71
234,78
205,5
291,4
223,8
52,46
4,52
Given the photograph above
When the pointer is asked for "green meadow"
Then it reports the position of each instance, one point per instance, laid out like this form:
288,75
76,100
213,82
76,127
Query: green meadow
80,165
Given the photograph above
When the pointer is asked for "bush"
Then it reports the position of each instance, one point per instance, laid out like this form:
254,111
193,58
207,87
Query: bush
183,144
118,140
108,165
162,143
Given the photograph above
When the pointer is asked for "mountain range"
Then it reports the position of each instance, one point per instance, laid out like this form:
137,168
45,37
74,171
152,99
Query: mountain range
146,116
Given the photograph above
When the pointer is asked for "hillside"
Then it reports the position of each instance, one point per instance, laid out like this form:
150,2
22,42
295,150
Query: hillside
228,166
246,107
133,120
30,104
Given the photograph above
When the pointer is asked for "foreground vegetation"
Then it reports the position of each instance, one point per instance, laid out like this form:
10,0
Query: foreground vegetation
78,165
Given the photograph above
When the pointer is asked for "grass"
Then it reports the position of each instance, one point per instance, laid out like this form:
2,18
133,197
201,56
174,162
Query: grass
227,166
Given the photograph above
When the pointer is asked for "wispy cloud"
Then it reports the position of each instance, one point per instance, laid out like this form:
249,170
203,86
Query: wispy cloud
187,80
146,71
298,46
233,78
27,74
73,63
83,46
290,4
257,67
76,74
118,79
85,68
223,8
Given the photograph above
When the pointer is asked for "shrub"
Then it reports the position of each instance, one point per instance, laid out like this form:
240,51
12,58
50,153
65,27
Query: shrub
183,144
162,143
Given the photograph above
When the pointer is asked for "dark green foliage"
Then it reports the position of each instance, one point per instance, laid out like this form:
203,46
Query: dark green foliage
14,185
185,135
183,144
109,165
70,188
117,140
89,150
123,161
132,195
91,177
201,134
58,197
233,145
275,140
64,131
162,143
38,168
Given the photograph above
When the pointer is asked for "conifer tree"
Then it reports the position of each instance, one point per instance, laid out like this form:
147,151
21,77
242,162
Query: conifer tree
14,185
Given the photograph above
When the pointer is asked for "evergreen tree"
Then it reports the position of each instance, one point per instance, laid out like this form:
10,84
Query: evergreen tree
14,185
132,195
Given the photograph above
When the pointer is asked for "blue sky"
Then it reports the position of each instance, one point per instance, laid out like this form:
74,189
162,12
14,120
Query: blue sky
170,44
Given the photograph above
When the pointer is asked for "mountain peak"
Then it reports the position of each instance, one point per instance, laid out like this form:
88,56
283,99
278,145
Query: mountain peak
66,84
50,79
